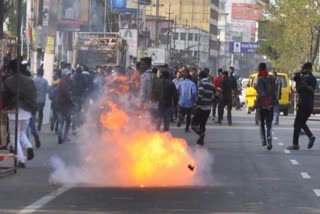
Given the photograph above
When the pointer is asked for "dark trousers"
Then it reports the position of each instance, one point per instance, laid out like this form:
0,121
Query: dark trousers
54,119
222,105
266,116
165,114
182,113
40,115
64,121
200,119
215,105
300,122
77,117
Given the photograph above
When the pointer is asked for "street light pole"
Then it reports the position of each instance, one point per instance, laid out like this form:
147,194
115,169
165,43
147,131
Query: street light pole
18,48
169,32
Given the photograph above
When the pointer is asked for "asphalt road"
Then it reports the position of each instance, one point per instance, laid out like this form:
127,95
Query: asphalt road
246,178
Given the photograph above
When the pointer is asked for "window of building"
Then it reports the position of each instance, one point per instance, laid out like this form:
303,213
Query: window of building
215,2
196,37
190,36
214,14
175,36
213,29
182,36
196,54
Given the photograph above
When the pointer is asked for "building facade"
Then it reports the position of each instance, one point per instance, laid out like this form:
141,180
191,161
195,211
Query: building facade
193,39
202,14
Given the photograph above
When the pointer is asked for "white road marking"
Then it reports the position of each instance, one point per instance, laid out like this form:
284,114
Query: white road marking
280,144
287,151
44,200
275,138
305,175
294,162
317,192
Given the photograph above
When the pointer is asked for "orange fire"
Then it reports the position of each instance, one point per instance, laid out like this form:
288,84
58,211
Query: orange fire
144,157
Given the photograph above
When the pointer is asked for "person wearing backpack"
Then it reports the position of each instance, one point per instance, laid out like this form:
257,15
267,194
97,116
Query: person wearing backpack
265,101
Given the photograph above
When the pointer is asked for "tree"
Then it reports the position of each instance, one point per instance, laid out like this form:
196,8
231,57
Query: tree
293,32
10,15
183,58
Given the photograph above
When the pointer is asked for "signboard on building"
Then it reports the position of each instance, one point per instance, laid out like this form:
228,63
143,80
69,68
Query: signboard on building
246,11
243,30
127,6
159,56
74,13
131,35
243,47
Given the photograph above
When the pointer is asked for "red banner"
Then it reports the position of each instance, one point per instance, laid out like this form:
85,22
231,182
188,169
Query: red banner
246,11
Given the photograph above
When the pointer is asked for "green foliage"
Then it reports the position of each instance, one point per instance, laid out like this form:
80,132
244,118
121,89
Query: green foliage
183,58
11,16
293,30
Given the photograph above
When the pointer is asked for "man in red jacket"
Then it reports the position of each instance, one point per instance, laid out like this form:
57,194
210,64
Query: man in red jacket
217,83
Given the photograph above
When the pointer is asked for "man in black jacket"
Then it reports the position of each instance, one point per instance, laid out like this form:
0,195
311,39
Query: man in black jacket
226,98
306,84
168,99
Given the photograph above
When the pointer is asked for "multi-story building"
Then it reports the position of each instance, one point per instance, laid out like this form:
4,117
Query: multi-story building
202,14
193,39
224,37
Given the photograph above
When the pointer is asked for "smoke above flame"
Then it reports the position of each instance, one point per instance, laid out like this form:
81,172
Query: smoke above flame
123,149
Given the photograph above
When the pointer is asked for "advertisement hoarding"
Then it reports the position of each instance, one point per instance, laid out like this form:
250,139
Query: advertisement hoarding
128,6
74,13
246,11
243,47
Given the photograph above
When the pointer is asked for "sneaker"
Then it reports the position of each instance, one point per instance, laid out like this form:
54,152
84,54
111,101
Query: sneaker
179,123
293,147
37,141
276,123
60,141
269,147
200,141
21,165
311,142
187,130
30,154
264,143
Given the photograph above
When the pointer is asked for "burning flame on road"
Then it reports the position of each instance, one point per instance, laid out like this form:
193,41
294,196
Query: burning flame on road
127,151
146,158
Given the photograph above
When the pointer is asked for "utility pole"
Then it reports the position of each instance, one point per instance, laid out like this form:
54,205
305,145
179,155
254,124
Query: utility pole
1,18
157,24
169,29
199,37
175,33
18,48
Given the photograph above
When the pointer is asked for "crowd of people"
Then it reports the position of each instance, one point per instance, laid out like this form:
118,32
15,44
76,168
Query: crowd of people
168,95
